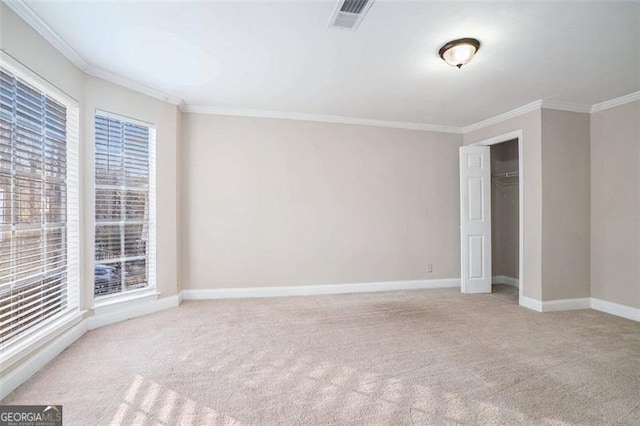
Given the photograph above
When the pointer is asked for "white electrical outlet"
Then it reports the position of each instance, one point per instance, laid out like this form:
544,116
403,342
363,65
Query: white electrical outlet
429,268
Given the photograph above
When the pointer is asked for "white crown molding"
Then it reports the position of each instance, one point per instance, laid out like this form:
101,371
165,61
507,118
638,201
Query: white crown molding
533,106
566,106
130,84
23,10
554,105
612,103
242,112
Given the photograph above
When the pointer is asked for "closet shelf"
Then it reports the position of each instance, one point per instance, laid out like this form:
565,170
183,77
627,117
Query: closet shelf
503,180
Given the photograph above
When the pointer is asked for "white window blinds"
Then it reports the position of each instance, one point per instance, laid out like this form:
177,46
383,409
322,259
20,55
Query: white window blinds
125,231
38,206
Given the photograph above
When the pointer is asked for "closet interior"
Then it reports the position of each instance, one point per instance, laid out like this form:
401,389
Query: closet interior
505,177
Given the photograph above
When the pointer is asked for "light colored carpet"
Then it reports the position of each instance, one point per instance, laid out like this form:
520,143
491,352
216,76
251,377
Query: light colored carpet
411,357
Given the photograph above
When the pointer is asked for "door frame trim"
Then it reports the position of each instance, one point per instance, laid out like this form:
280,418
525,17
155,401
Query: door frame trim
516,134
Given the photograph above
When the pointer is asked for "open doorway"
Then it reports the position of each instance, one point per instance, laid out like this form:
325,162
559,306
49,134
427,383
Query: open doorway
505,200
480,177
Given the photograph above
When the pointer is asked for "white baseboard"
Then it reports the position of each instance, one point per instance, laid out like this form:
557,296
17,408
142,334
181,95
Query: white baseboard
313,290
530,303
566,304
105,315
503,279
44,355
623,311
616,309
115,313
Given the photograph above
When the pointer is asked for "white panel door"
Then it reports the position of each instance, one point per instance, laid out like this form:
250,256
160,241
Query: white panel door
475,219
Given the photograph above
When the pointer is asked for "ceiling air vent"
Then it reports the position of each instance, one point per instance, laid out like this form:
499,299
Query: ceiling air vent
349,14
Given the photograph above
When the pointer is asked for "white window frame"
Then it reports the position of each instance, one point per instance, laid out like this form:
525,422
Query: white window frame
150,291
47,329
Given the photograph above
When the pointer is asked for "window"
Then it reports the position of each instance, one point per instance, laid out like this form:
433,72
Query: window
38,203
124,209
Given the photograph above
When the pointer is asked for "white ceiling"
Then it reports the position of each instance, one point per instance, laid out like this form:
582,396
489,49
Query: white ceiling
283,57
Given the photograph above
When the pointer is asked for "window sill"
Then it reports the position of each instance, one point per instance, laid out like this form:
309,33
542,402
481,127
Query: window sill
127,306
34,341
107,302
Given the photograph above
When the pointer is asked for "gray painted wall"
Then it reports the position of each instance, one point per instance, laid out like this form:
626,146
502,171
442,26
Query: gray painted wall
615,205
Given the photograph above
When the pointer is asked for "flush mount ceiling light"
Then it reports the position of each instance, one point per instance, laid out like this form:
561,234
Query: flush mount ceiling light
459,52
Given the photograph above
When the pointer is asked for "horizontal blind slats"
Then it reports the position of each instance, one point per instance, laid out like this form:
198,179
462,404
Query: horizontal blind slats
122,167
24,323
32,300
33,207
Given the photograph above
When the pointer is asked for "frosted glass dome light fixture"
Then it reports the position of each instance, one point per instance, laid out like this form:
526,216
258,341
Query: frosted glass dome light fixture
459,52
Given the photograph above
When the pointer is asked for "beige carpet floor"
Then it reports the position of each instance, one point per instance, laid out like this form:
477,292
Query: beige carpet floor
411,357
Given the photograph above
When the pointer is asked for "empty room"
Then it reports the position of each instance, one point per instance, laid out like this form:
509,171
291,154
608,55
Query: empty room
344,212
